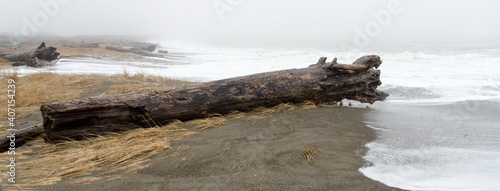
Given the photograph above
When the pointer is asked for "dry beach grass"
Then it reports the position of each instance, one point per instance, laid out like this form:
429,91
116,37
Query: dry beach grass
45,164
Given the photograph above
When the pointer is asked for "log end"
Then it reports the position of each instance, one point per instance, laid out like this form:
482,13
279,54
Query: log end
369,61
362,76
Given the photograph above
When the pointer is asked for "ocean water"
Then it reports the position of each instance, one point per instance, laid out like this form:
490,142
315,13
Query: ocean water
439,129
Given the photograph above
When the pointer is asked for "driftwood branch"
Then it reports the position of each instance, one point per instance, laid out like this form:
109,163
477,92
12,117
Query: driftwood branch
320,82
20,137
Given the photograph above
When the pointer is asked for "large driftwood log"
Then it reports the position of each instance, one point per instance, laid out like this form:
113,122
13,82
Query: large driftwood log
320,82
35,58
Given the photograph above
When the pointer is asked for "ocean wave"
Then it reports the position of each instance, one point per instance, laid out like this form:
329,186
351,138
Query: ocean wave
411,93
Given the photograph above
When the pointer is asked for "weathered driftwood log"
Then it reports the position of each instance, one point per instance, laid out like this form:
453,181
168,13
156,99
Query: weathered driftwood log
17,138
320,82
40,56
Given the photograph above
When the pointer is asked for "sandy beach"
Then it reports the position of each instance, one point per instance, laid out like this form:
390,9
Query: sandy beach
263,154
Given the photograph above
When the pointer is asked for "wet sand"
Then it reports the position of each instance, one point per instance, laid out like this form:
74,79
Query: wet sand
260,154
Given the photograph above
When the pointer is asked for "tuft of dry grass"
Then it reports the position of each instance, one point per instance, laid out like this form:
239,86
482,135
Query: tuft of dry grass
309,105
235,115
277,108
214,120
311,154
289,126
177,129
102,157
265,112
240,162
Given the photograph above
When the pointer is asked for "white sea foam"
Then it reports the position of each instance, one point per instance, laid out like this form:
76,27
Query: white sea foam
434,168
439,129
446,146
93,66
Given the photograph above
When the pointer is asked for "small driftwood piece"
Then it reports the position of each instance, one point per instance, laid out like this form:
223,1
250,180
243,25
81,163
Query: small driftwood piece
19,137
38,57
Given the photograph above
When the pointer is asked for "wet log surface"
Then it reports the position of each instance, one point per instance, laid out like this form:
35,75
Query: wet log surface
321,82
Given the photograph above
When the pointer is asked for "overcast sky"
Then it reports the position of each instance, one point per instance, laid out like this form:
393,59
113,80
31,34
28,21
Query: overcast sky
293,21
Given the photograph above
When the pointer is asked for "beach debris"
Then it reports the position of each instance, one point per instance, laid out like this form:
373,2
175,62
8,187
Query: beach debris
135,50
289,126
311,154
240,163
41,56
321,82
